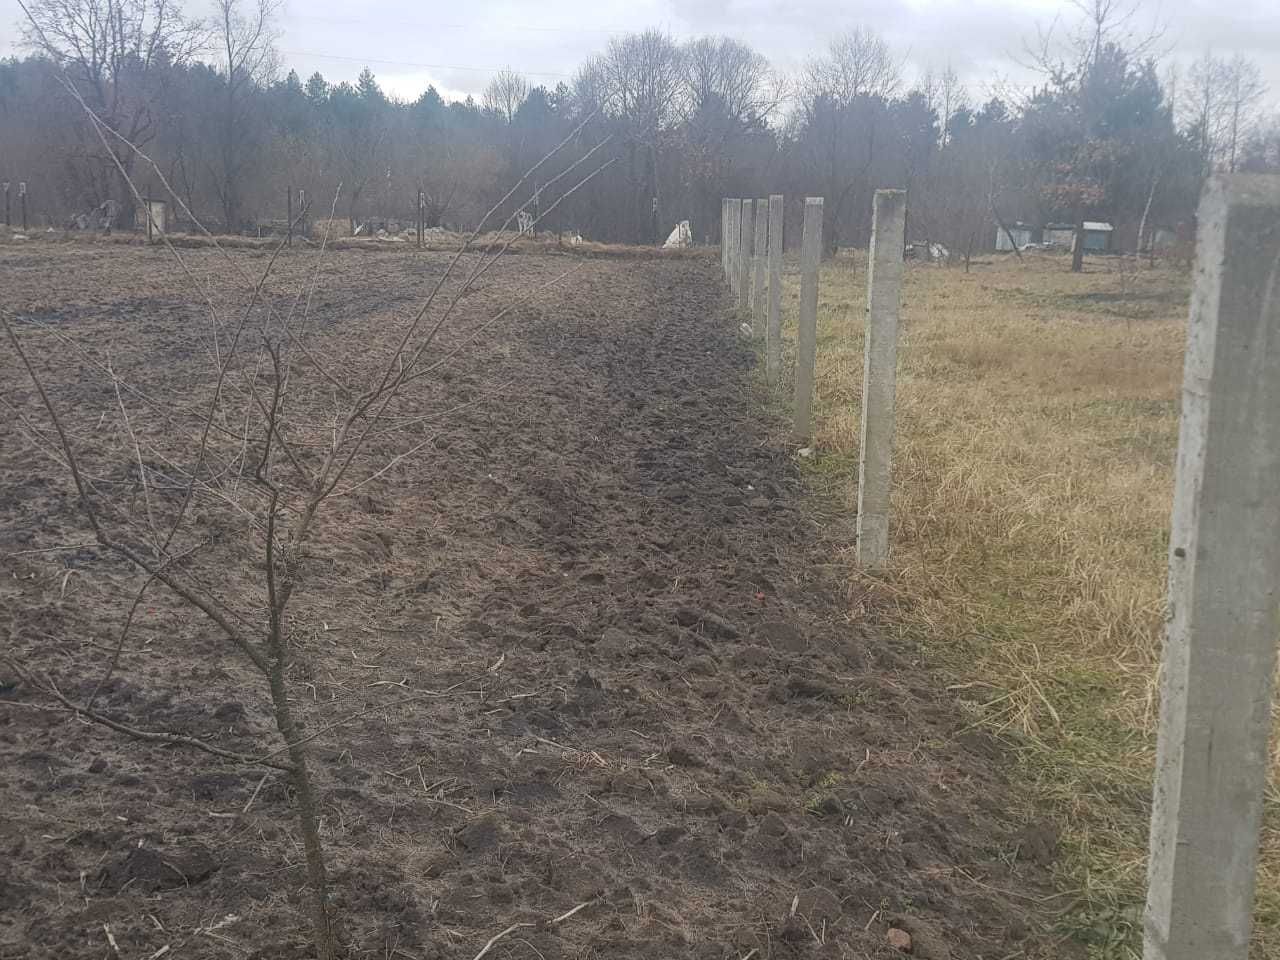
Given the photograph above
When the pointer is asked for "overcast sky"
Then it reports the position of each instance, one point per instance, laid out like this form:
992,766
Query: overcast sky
458,45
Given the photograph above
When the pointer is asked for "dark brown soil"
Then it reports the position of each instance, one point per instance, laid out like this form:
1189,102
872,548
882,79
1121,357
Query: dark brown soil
644,679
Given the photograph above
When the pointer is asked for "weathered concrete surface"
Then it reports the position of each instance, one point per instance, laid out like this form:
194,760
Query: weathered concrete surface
724,236
807,330
773,336
879,376
735,241
1224,587
744,252
758,267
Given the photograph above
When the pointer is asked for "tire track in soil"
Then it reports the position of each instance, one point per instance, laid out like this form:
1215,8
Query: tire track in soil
694,723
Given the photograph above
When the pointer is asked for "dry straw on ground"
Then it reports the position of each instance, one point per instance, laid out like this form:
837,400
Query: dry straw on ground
1037,430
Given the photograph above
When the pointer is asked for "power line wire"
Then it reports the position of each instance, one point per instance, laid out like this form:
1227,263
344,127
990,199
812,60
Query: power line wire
410,25
418,66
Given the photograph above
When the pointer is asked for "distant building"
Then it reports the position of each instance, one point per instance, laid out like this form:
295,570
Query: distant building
152,217
1024,235
1060,235
1097,236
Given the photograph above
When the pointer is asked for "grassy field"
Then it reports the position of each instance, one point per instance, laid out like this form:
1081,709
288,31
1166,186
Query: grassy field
1037,428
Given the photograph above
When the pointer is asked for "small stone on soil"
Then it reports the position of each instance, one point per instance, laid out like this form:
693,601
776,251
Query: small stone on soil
899,939
926,942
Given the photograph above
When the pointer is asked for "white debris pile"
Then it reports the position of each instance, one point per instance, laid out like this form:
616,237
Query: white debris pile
681,236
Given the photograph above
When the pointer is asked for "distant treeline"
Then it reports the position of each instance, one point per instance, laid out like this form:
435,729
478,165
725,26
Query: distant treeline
1102,137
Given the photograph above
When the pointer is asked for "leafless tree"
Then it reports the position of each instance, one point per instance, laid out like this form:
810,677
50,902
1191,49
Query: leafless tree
640,79
505,93
1245,89
245,40
857,64
946,94
843,96
1262,149
1221,106
730,92
1203,106
721,73
115,53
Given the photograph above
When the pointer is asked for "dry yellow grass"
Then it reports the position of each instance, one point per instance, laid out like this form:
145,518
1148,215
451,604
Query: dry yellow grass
1037,428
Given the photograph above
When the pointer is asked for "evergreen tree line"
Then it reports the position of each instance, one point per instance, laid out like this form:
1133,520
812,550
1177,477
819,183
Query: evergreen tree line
1108,133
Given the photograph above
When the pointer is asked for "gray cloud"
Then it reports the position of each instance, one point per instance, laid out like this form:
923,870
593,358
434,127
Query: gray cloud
458,46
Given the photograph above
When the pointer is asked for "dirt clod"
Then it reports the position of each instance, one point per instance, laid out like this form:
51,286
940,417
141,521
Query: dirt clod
927,941
819,903
899,939
710,624
479,835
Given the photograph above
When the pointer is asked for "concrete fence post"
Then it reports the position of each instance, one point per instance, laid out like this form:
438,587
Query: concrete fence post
807,328
744,253
735,241
879,376
773,334
1224,587
758,269
724,236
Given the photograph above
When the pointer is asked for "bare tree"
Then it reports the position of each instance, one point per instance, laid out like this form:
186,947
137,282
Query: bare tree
729,93
505,93
115,53
857,64
1221,107
245,40
720,72
953,97
1245,89
1203,106
1262,149
640,80
843,99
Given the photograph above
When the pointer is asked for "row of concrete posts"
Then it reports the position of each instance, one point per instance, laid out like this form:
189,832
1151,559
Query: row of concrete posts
751,255
1219,655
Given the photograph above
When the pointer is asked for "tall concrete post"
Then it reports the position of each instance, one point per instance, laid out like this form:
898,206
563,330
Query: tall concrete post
735,241
758,268
724,237
744,253
807,328
1224,587
773,336
879,376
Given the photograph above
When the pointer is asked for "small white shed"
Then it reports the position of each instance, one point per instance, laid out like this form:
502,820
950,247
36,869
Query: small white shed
1021,233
